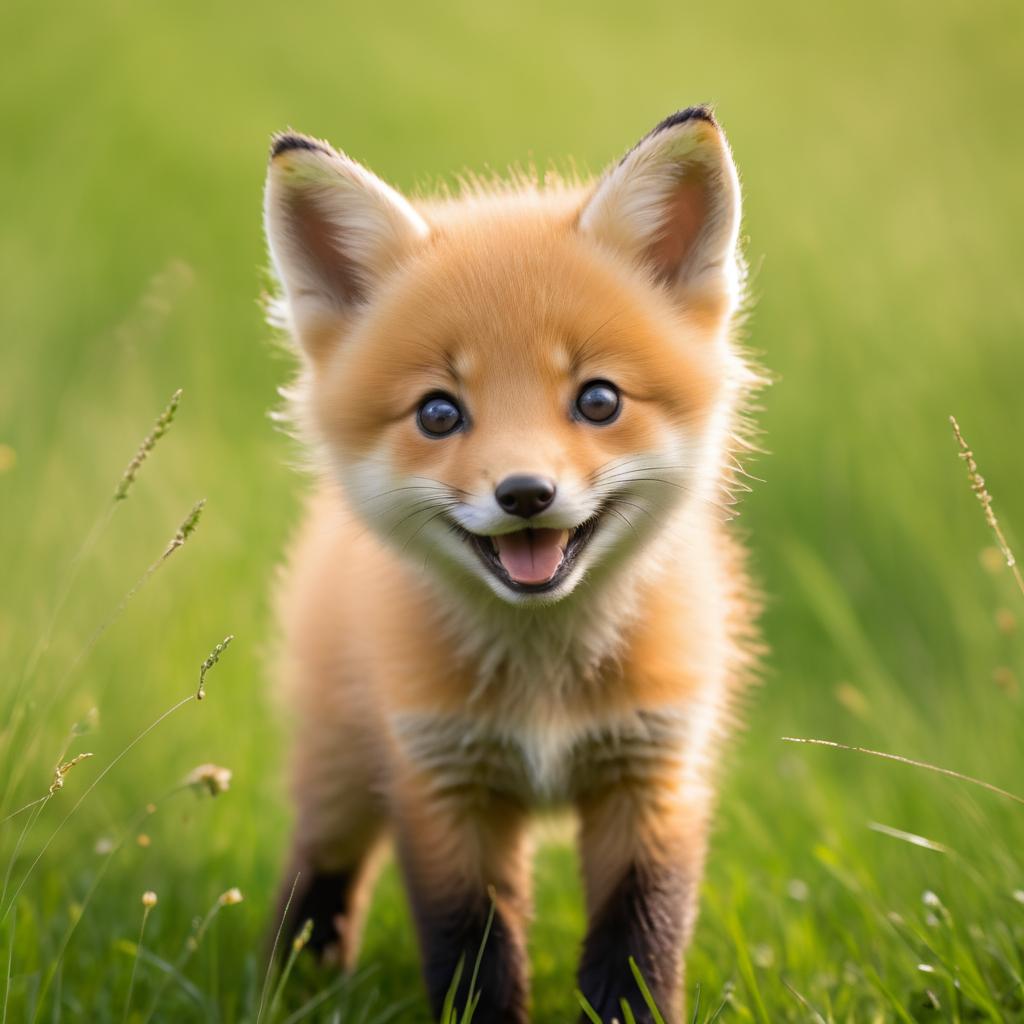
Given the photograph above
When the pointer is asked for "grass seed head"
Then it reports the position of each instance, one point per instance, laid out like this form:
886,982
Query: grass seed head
187,528
163,421
211,659
299,943
981,491
62,769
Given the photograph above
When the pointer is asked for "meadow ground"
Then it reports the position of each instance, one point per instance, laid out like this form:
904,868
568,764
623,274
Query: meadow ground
882,154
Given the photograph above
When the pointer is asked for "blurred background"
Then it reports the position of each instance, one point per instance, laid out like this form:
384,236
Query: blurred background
882,153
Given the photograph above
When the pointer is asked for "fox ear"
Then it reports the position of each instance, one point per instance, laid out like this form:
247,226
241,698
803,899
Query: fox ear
334,230
672,205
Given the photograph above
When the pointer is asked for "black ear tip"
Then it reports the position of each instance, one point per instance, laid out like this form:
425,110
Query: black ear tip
702,112
283,142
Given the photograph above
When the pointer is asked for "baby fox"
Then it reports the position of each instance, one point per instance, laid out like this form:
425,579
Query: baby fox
513,588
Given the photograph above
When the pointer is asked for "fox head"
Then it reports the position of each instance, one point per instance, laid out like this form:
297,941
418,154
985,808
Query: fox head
521,388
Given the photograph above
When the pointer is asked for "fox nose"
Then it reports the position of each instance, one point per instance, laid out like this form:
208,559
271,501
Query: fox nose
524,495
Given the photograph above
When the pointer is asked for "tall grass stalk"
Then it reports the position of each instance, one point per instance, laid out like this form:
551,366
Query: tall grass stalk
645,991
588,1011
192,944
78,803
981,491
160,427
92,538
718,1013
342,986
9,971
474,996
57,784
298,944
910,761
40,805
60,771
184,531
811,1011
264,990
59,691
449,1014
148,902
130,829
66,587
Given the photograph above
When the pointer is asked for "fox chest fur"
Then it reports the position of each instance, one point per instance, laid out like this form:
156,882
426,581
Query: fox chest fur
536,759
564,705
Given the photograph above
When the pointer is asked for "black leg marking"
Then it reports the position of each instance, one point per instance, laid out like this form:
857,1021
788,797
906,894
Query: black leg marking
642,918
320,896
456,931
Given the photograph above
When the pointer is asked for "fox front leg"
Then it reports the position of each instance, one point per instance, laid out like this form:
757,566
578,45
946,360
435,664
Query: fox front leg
461,854
642,852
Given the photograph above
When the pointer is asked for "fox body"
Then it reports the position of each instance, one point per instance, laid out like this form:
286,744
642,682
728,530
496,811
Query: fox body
514,587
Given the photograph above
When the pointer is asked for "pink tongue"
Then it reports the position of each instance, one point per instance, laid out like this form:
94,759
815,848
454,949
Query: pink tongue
531,556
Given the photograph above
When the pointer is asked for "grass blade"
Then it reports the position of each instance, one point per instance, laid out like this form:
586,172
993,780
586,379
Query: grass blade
297,946
805,1004
908,760
645,991
99,778
474,997
448,1014
588,1010
273,950
8,973
695,1016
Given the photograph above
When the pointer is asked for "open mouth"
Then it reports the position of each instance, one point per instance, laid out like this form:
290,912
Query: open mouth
535,559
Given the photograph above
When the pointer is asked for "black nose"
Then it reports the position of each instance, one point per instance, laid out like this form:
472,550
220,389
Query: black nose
525,495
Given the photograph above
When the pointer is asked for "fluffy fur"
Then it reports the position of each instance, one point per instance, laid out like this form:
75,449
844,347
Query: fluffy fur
437,704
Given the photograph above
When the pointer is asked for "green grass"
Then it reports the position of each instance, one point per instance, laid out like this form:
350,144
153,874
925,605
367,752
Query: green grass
882,155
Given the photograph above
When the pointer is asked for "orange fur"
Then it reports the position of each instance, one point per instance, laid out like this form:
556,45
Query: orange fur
433,700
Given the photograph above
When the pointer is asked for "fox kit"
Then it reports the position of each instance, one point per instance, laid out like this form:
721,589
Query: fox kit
513,588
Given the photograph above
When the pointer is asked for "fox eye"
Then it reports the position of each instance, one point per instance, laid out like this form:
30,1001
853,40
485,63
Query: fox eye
598,402
439,415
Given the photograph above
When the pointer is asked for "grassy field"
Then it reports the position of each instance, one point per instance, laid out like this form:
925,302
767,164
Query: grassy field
882,153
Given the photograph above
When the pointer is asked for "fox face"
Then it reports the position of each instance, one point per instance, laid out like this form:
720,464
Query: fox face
521,390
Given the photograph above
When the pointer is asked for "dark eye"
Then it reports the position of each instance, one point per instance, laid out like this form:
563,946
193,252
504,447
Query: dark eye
598,402
439,415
